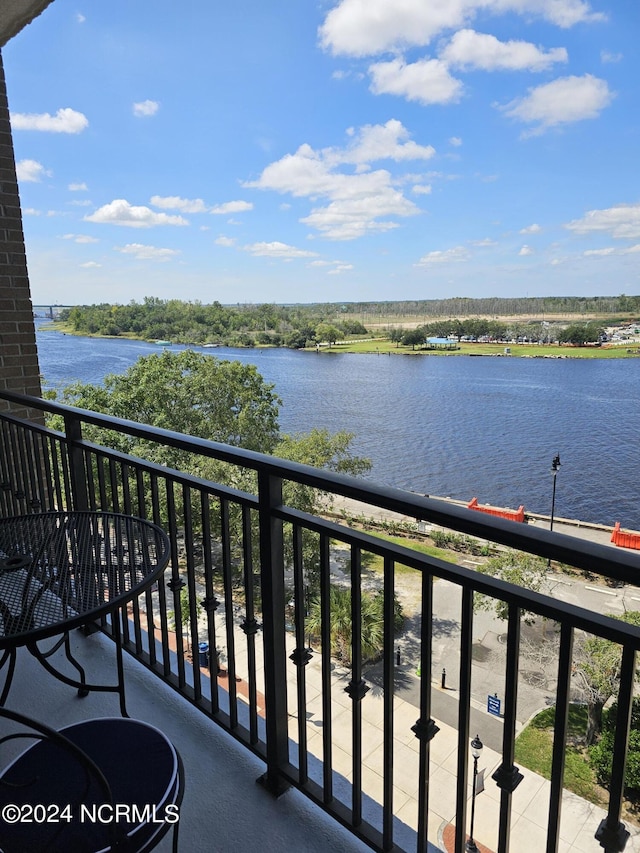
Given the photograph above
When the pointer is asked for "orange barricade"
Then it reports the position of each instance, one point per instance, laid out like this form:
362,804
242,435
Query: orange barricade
510,514
625,539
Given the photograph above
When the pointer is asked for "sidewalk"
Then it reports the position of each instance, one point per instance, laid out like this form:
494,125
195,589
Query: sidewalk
530,802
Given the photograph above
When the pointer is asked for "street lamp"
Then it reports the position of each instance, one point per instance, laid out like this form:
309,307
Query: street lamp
476,750
555,465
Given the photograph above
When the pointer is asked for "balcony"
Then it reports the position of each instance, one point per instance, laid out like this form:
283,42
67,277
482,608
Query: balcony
348,761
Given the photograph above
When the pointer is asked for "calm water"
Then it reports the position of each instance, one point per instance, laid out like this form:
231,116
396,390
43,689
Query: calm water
458,427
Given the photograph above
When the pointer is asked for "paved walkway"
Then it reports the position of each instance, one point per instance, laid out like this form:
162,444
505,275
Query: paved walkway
530,802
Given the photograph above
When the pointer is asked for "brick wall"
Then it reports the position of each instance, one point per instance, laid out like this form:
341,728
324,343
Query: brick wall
19,370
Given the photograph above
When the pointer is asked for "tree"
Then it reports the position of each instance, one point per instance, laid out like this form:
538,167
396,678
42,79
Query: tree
516,567
224,401
413,338
580,334
341,624
596,667
395,335
189,392
329,333
601,754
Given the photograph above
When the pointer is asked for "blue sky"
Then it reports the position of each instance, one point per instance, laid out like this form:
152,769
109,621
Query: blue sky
290,151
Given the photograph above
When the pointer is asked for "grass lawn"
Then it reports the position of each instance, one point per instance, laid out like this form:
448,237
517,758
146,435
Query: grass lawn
383,346
375,563
534,751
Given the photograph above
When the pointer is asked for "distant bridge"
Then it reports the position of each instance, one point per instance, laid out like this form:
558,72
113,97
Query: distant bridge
50,311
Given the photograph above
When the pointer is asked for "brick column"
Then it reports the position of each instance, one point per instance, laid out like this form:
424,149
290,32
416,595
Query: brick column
19,369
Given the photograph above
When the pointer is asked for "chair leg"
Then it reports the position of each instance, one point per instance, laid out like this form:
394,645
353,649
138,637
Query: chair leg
8,655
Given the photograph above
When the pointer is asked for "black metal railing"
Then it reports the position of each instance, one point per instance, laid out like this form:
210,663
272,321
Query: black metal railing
243,567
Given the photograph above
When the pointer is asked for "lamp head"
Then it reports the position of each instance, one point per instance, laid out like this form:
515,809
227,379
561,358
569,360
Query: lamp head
476,746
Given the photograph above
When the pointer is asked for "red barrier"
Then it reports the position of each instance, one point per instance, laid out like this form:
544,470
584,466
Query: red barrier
625,539
510,514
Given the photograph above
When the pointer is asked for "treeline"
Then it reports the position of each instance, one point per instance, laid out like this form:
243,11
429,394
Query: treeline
298,326
497,306
193,323
479,329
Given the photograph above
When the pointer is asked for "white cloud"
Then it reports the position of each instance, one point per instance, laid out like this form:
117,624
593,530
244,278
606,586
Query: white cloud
80,18
469,49
621,222
80,202
31,171
421,189
599,252
339,268
608,57
336,267
31,211
90,265
357,200
367,27
225,241
455,141
174,202
390,141
76,188
147,253
143,109
534,228
80,238
278,250
64,121
120,212
427,81
563,101
486,241
455,255
232,207
525,250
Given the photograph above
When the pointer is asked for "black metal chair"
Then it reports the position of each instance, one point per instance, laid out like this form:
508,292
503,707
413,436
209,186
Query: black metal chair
107,784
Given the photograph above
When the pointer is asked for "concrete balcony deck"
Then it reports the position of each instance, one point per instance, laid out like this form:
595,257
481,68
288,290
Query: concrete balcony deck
223,808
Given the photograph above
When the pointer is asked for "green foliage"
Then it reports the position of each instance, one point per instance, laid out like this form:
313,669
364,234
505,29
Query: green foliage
224,401
596,667
581,333
326,332
601,755
195,323
459,542
341,633
516,567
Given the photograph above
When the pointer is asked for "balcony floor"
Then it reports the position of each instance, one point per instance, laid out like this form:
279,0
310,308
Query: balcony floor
225,810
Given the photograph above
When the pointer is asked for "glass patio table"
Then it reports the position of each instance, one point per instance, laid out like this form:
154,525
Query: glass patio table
62,570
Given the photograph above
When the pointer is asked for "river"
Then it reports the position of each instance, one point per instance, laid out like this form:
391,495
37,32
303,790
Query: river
451,426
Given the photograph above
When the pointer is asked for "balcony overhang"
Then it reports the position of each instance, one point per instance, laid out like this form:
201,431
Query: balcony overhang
16,14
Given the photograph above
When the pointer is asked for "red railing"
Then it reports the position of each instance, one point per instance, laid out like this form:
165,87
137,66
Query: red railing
625,539
512,515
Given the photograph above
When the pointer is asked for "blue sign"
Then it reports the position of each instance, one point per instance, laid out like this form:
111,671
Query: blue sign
493,705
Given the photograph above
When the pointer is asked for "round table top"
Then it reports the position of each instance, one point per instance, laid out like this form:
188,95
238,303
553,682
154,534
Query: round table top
59,570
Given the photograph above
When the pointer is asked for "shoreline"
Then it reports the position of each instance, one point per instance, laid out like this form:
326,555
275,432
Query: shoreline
594,531
386,347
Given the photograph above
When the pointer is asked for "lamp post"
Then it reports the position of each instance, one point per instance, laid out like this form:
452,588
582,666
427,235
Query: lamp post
476,750
555,465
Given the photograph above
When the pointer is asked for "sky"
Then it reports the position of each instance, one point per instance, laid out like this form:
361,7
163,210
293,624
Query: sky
296,151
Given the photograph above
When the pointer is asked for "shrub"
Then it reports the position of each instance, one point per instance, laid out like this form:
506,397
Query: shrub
601,755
